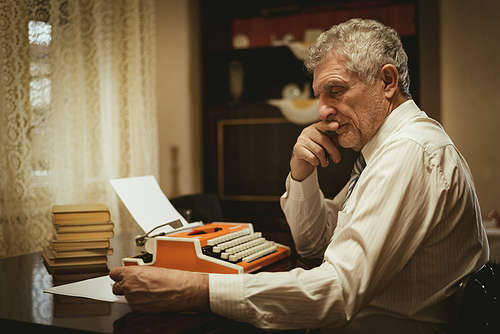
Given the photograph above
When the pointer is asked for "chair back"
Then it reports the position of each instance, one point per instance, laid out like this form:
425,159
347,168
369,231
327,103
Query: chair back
199,207
475,308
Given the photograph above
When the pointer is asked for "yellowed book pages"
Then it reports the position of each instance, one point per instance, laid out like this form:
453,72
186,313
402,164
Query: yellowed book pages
80,213
79,244
83,252
81,261
85,235
89,227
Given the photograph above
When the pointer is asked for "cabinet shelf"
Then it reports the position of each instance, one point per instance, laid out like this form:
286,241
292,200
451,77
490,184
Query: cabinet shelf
266,71
297,111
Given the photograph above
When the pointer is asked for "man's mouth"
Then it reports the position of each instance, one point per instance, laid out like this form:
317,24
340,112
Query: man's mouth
340,127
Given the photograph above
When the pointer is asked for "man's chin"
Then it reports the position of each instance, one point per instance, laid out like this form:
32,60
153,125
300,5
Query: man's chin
348,142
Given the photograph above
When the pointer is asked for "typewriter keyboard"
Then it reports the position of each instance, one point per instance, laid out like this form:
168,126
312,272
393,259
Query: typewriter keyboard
240,246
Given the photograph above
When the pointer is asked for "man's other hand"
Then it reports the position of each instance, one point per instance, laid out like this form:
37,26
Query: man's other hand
152,289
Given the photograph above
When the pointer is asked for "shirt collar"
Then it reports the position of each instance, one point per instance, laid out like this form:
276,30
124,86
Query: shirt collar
396,119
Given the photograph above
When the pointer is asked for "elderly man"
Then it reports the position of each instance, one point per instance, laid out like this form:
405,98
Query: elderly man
395,241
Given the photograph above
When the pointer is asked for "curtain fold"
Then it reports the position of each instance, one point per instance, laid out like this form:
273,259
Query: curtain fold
77,107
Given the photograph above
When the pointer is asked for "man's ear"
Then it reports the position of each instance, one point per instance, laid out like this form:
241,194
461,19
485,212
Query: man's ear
389,77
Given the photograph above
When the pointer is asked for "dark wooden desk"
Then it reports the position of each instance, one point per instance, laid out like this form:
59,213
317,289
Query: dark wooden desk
24,305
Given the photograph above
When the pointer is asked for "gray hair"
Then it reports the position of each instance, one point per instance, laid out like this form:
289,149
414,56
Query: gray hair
368,45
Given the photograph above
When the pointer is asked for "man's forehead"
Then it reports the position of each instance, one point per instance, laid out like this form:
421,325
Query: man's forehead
331,71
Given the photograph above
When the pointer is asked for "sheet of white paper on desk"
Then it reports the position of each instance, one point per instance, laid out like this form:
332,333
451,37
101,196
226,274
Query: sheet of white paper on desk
99,288
147,203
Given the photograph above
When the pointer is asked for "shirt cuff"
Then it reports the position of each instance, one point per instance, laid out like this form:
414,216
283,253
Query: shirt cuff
227,295
301,190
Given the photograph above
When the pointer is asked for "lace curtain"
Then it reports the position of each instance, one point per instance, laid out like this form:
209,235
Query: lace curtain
77,108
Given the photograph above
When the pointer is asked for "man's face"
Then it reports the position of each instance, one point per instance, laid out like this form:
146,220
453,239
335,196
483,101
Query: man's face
359,108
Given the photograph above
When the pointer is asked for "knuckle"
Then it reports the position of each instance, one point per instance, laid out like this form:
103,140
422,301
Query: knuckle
318,150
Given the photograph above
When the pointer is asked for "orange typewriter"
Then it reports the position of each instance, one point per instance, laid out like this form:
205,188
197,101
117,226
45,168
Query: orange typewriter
227,248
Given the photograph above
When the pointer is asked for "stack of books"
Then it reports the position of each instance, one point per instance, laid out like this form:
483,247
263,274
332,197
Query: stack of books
81,242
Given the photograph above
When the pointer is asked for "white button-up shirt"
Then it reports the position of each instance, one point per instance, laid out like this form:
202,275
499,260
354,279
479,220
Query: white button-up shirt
409,232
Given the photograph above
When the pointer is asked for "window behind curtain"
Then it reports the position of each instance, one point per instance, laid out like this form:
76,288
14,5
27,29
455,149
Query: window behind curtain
77,108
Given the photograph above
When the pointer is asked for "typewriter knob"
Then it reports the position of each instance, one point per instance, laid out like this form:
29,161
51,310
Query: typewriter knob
150,245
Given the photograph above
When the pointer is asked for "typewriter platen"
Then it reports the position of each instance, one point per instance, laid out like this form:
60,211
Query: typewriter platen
228,248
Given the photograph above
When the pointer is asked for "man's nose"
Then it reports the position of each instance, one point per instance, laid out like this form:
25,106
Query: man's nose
326,111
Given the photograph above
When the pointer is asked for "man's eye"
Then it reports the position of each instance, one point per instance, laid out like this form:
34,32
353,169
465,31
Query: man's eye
335,92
